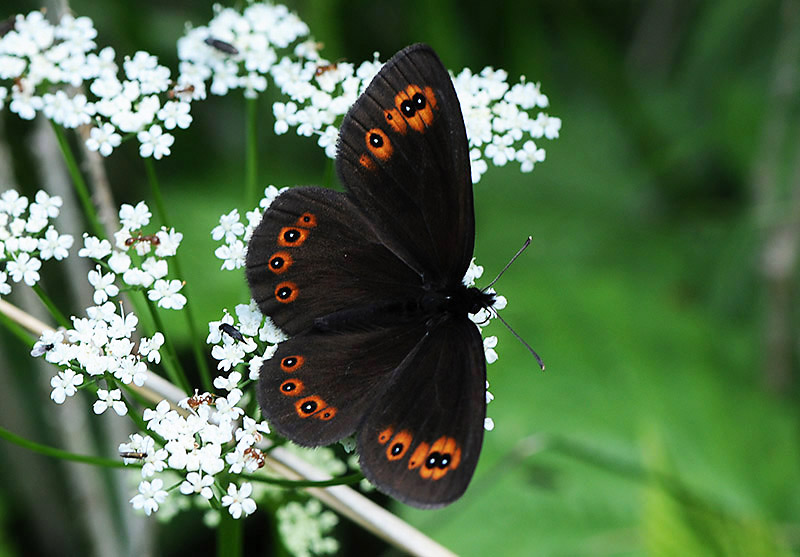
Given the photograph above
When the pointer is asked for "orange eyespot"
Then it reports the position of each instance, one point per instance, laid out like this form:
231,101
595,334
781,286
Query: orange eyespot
399,445
444,455
307,220
395,120
326,414
416,105
385,435
366,162
309,406
378,143
292,363
280,262
289,236
286,292
292,387
418,456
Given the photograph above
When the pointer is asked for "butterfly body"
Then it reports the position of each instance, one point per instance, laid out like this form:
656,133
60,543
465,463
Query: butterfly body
368,285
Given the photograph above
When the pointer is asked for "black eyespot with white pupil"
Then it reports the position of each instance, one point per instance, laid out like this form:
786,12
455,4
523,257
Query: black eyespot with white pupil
376,140
291,236
284,292
291,361
308,407
408,108
277,261
288,387
437,460
419,101
397,448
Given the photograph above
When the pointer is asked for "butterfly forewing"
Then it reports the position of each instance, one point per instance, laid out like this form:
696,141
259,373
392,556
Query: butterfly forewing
420,442
403,156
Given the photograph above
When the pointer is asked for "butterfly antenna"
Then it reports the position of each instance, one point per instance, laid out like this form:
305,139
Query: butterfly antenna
500,274
519,338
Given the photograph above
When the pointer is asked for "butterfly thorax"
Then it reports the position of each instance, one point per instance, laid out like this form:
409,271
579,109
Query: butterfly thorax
459,300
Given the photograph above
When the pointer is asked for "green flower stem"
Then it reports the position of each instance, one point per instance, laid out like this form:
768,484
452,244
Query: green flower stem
80,184
194,334
171,363
251,162
229,536
18,331
61,454
349,479
51,307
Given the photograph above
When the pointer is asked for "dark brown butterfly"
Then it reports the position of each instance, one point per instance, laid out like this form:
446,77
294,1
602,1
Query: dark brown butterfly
368,285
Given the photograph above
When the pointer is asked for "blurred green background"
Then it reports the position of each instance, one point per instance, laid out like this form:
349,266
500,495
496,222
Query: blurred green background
660,288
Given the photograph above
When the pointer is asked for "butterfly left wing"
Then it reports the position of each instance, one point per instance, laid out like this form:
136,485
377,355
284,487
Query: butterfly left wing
421,440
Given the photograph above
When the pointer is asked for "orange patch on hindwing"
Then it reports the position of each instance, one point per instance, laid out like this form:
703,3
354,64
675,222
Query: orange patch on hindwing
292,387
367,162
442,456
399,445
309,406
307,220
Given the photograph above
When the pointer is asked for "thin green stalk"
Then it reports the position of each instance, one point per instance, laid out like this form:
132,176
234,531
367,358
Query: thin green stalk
229,536
349,479
51,307
251,161
194,334
60,453
171,362
17,330
80,184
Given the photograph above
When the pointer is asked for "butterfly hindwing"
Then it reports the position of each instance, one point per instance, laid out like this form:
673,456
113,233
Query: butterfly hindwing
318,386
421,440
403,157
314,254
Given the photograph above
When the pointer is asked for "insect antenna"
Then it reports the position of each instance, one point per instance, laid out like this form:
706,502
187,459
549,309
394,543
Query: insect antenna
503,321
500,274
522,340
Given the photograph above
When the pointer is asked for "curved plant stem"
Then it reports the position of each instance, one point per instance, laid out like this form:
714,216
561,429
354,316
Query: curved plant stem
59,453
194,334
171,362
251,162
80,184
51,307
349,479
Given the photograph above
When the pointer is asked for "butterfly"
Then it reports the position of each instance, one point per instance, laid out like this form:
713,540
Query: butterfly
368,285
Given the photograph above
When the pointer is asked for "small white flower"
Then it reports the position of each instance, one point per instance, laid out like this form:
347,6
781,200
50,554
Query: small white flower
134,218
168,242
94,248
238,500
5,288
167,294
104,286
54,245
103,139
65,384
175,114
197,484
119,262
488,424
229,227
24,268
489,344
149,348
232,255
150,496
110,399
228,383
154,142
